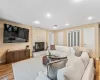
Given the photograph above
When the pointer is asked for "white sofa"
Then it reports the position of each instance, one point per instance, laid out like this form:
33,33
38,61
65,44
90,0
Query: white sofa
62,51
88,73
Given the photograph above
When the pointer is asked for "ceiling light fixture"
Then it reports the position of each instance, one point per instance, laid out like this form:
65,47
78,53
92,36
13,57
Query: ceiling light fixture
55,27
90,18
36,22
67,24
48,15
77,1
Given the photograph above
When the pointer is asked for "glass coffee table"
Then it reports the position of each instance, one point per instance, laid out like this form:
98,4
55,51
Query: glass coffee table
46,59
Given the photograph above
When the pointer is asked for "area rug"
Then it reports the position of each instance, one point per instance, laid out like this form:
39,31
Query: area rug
28,69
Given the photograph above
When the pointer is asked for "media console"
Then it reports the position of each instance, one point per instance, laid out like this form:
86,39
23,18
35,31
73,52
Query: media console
17,55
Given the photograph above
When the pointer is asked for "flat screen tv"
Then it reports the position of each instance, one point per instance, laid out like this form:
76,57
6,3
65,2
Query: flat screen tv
14,34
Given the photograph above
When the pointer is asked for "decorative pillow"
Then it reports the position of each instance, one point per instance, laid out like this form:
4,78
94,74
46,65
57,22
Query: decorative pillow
52,47
78,53
74,71
53,68
85,58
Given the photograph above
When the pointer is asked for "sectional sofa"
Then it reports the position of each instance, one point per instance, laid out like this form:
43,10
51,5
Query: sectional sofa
62,51
77,68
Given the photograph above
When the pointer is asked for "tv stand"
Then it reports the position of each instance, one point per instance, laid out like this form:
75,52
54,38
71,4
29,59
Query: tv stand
17,55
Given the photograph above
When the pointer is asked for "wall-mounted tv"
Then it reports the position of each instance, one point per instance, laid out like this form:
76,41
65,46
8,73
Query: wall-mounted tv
14,34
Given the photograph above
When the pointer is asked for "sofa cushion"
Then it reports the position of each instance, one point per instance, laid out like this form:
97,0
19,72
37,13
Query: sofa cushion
85,58
78,52
62,48
57,47
65,49
71,59
74,71
89,51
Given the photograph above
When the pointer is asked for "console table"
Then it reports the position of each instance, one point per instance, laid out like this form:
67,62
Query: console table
17,55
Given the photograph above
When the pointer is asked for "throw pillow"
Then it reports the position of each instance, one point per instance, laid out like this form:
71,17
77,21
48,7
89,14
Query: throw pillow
85,58
77,51
52,47
53,68
74,71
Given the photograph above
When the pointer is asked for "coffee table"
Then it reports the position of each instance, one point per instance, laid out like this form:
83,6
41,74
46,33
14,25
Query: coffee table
46,59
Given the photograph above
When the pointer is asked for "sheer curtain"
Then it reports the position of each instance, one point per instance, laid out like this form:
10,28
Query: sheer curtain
60,38
50,39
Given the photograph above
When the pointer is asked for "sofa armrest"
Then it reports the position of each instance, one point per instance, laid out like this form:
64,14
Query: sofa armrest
89,71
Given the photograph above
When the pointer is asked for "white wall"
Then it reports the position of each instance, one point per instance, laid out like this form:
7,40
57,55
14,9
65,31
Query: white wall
89,38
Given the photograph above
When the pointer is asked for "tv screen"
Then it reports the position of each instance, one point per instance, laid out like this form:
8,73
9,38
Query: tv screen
14,34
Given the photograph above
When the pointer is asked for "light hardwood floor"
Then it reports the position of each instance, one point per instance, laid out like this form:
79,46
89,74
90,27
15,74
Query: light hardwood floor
97,70
6,71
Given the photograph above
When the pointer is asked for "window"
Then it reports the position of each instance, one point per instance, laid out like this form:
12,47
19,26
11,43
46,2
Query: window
60,38
73,38
51,38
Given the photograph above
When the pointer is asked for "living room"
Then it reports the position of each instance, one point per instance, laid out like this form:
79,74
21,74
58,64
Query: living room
34,43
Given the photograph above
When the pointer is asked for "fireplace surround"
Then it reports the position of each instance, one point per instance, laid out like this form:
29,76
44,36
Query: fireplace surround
39,46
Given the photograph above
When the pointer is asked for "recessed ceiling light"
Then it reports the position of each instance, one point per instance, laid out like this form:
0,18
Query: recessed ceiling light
67,24
90,18
77,1
48,15
36,22
55,27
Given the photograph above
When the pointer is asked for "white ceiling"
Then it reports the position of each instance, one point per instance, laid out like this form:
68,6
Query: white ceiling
62,11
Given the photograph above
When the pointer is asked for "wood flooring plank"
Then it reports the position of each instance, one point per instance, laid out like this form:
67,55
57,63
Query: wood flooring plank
6,71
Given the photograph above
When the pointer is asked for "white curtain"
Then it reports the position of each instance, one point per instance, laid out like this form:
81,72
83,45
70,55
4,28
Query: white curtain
51,38
60,38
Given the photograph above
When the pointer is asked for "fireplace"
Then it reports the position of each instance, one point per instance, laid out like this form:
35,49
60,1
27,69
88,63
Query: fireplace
39,46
